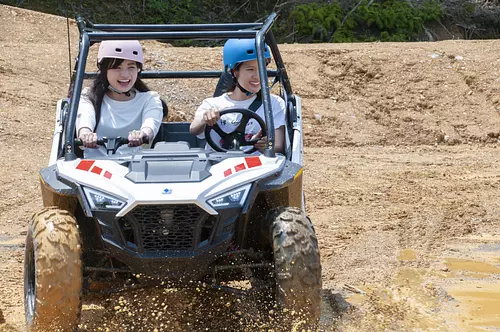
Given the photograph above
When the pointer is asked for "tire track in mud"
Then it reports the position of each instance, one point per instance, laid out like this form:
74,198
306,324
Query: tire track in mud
395,252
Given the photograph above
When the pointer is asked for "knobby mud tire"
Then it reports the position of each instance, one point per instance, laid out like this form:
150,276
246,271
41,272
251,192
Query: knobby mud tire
52,272
298,269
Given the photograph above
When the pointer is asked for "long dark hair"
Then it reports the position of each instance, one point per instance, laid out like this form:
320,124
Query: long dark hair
101,84
233,84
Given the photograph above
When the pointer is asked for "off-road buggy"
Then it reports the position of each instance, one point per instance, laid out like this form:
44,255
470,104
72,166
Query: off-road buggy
176,212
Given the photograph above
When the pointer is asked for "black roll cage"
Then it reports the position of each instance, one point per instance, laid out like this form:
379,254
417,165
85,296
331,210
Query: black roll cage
91,33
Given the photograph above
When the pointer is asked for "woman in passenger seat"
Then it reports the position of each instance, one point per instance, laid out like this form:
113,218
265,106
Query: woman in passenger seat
118,103
240,59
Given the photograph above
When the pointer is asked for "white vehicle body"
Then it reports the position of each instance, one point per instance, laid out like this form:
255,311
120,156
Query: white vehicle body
108,177
175,212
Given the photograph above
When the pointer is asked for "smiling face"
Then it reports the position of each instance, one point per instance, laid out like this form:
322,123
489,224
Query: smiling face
123,76
248,76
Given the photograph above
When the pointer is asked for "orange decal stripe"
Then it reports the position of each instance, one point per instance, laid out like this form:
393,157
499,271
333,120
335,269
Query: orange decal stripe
253,162
85,165
96,170
240,167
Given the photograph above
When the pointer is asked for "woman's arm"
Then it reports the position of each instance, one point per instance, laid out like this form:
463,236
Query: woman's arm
197,126
279,106
202,118
279,140
152,117
85,121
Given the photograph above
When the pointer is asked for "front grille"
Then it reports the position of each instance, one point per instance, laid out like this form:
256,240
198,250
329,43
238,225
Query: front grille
167,227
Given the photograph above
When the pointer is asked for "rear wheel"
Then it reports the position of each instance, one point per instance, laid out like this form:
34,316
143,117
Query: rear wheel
297,268
52,272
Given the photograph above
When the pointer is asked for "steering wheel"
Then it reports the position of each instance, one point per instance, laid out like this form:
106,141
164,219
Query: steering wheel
234,140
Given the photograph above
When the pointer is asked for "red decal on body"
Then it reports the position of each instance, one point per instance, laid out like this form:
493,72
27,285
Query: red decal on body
253,161
85,165
227,172
107,175
239,167
96,170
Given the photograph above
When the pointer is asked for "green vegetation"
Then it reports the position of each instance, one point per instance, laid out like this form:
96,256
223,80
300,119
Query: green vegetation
389,20
300,20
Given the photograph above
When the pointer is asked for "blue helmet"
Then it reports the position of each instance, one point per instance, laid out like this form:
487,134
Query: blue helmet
241,50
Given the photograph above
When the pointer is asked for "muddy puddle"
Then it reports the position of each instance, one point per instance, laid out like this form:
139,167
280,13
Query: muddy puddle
407,255
457,291
480,303
476,286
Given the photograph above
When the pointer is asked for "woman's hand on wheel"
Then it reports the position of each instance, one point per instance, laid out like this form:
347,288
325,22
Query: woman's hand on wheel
88,138
211,116
261,144
136,138
139,137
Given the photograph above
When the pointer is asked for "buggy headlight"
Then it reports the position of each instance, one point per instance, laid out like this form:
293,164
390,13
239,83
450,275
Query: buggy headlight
99,200
233,198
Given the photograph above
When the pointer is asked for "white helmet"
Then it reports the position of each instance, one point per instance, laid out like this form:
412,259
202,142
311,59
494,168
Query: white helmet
121,49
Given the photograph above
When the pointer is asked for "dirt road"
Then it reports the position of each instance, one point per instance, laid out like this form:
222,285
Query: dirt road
402,179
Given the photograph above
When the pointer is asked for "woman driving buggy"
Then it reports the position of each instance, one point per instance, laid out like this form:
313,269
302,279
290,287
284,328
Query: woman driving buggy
118,104
240,60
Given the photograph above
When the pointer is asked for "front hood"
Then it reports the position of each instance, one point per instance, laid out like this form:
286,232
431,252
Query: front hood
113,178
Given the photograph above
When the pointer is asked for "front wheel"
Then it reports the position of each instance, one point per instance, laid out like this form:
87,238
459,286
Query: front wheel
52,272
297,268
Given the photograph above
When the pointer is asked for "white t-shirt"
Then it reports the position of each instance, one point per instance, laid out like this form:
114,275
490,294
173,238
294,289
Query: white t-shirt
118,118
229,122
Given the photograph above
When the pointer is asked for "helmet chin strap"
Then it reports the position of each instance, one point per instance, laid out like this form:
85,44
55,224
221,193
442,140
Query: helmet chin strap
245,91
119,92
248,93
